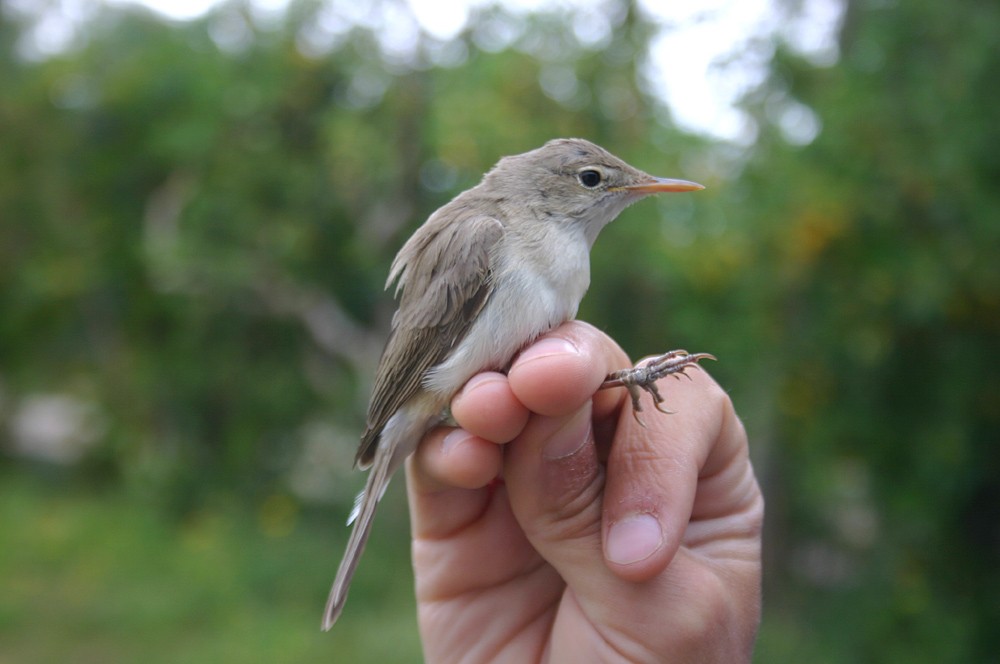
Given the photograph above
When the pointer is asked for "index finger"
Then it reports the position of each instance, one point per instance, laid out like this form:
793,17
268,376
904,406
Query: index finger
564,369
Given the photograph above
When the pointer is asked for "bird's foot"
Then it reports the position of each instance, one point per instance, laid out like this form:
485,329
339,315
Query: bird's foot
644,376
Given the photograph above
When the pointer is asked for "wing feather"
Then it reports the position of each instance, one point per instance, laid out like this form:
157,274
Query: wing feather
443,280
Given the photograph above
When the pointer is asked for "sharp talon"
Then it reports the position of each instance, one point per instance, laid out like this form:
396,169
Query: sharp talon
665,411
682,372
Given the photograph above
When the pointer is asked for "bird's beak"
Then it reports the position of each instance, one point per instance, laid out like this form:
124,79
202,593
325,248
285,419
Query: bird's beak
662,185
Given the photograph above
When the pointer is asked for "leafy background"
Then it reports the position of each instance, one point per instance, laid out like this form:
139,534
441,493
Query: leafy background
196,219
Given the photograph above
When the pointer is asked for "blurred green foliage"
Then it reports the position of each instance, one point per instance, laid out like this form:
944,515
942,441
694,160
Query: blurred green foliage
196,220
101,578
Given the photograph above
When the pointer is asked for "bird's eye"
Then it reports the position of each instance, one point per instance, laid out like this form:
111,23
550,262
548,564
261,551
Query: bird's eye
590,178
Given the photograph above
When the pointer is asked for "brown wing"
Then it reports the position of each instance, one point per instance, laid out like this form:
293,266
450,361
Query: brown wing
444,276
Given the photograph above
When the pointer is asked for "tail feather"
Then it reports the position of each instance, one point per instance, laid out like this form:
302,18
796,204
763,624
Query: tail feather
396,441
378,480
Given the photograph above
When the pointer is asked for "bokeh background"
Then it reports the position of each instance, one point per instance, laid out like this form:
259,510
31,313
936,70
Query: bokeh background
197,217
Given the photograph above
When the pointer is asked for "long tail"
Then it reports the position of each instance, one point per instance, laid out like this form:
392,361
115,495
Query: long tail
378,480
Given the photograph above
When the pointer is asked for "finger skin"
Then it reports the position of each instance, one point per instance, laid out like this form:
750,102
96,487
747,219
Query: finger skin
658,470
562,370
624,520
672,495
488,408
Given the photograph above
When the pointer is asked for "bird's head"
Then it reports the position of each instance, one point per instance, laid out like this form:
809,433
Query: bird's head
571,180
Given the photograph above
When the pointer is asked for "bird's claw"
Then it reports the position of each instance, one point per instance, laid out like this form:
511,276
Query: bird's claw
643,377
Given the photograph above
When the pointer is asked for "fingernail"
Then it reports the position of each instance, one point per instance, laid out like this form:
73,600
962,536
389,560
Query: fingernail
570,438
548,347
634,538
453,440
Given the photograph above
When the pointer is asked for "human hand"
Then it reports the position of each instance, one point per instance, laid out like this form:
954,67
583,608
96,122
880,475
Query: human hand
553,527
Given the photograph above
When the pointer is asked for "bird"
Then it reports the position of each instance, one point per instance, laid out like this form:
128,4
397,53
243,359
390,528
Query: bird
485,275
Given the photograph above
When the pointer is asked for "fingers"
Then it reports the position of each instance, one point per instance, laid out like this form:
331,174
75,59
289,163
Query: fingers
468,457
553,470
555,375
654,471
667,483
664,517
690,472
455,458
487,407
555,483
670,523
564,368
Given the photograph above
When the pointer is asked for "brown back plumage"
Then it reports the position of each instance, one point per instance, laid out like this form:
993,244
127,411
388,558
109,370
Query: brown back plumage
444,278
